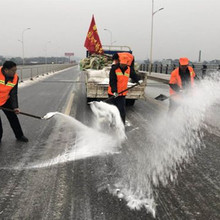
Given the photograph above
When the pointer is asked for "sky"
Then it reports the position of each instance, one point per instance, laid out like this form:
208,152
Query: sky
181,29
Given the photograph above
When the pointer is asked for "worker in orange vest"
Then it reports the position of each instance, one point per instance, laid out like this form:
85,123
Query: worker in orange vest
181,79
9,99
118,81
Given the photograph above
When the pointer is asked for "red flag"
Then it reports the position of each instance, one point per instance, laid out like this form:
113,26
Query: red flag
92,42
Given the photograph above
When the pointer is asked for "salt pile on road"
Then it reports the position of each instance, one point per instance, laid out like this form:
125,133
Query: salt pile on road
81,141
161,148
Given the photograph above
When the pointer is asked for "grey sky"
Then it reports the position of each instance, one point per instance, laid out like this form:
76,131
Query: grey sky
182,29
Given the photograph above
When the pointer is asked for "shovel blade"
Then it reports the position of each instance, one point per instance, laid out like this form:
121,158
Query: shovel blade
161,97
49,115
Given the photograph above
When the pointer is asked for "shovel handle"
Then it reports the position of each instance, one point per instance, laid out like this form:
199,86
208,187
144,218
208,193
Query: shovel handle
112,97
22,113
30,115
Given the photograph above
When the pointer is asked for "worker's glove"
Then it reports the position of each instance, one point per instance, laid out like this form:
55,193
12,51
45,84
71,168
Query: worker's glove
140,82
115,94
17,110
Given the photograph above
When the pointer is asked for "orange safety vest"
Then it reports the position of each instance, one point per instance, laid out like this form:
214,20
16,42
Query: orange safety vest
129,56
122,81
6,88
176,79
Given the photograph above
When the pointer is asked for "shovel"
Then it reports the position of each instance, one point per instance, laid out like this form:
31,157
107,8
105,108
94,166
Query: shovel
47,116
162,97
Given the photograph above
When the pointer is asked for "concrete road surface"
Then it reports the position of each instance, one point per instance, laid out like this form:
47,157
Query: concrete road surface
84,189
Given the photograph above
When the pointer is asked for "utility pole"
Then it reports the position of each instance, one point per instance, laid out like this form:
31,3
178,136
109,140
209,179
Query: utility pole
46,52
152,23
200,55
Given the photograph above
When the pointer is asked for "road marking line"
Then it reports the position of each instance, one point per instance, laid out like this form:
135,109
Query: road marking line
70,101
69,105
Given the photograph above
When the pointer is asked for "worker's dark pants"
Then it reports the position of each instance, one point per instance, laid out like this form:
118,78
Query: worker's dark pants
119,102
13,120
203,74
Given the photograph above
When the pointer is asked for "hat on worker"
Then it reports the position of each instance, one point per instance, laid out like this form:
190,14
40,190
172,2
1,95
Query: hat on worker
123,59
184,61
115,56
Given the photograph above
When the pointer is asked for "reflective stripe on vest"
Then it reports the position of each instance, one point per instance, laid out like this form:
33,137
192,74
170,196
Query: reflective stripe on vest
122,81
5,89
121,74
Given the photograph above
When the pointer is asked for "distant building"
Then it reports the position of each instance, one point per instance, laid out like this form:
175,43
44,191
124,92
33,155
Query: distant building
147,61
215,62
166,62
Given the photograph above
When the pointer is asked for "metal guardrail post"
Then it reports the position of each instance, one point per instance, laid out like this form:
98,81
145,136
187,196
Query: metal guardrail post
22,74
167,66
155,68
37,73
42,70
161,68
31,74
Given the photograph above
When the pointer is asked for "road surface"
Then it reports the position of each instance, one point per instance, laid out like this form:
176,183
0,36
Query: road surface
84,189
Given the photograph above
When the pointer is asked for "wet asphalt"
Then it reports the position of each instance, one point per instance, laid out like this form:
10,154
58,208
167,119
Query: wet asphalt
79,189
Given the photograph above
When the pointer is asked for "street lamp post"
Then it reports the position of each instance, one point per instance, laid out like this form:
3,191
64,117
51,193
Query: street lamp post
22,41
46,51
110,35
46,56
152,23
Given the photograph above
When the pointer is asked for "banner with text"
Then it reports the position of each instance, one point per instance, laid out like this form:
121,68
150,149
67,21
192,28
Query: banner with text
92,42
